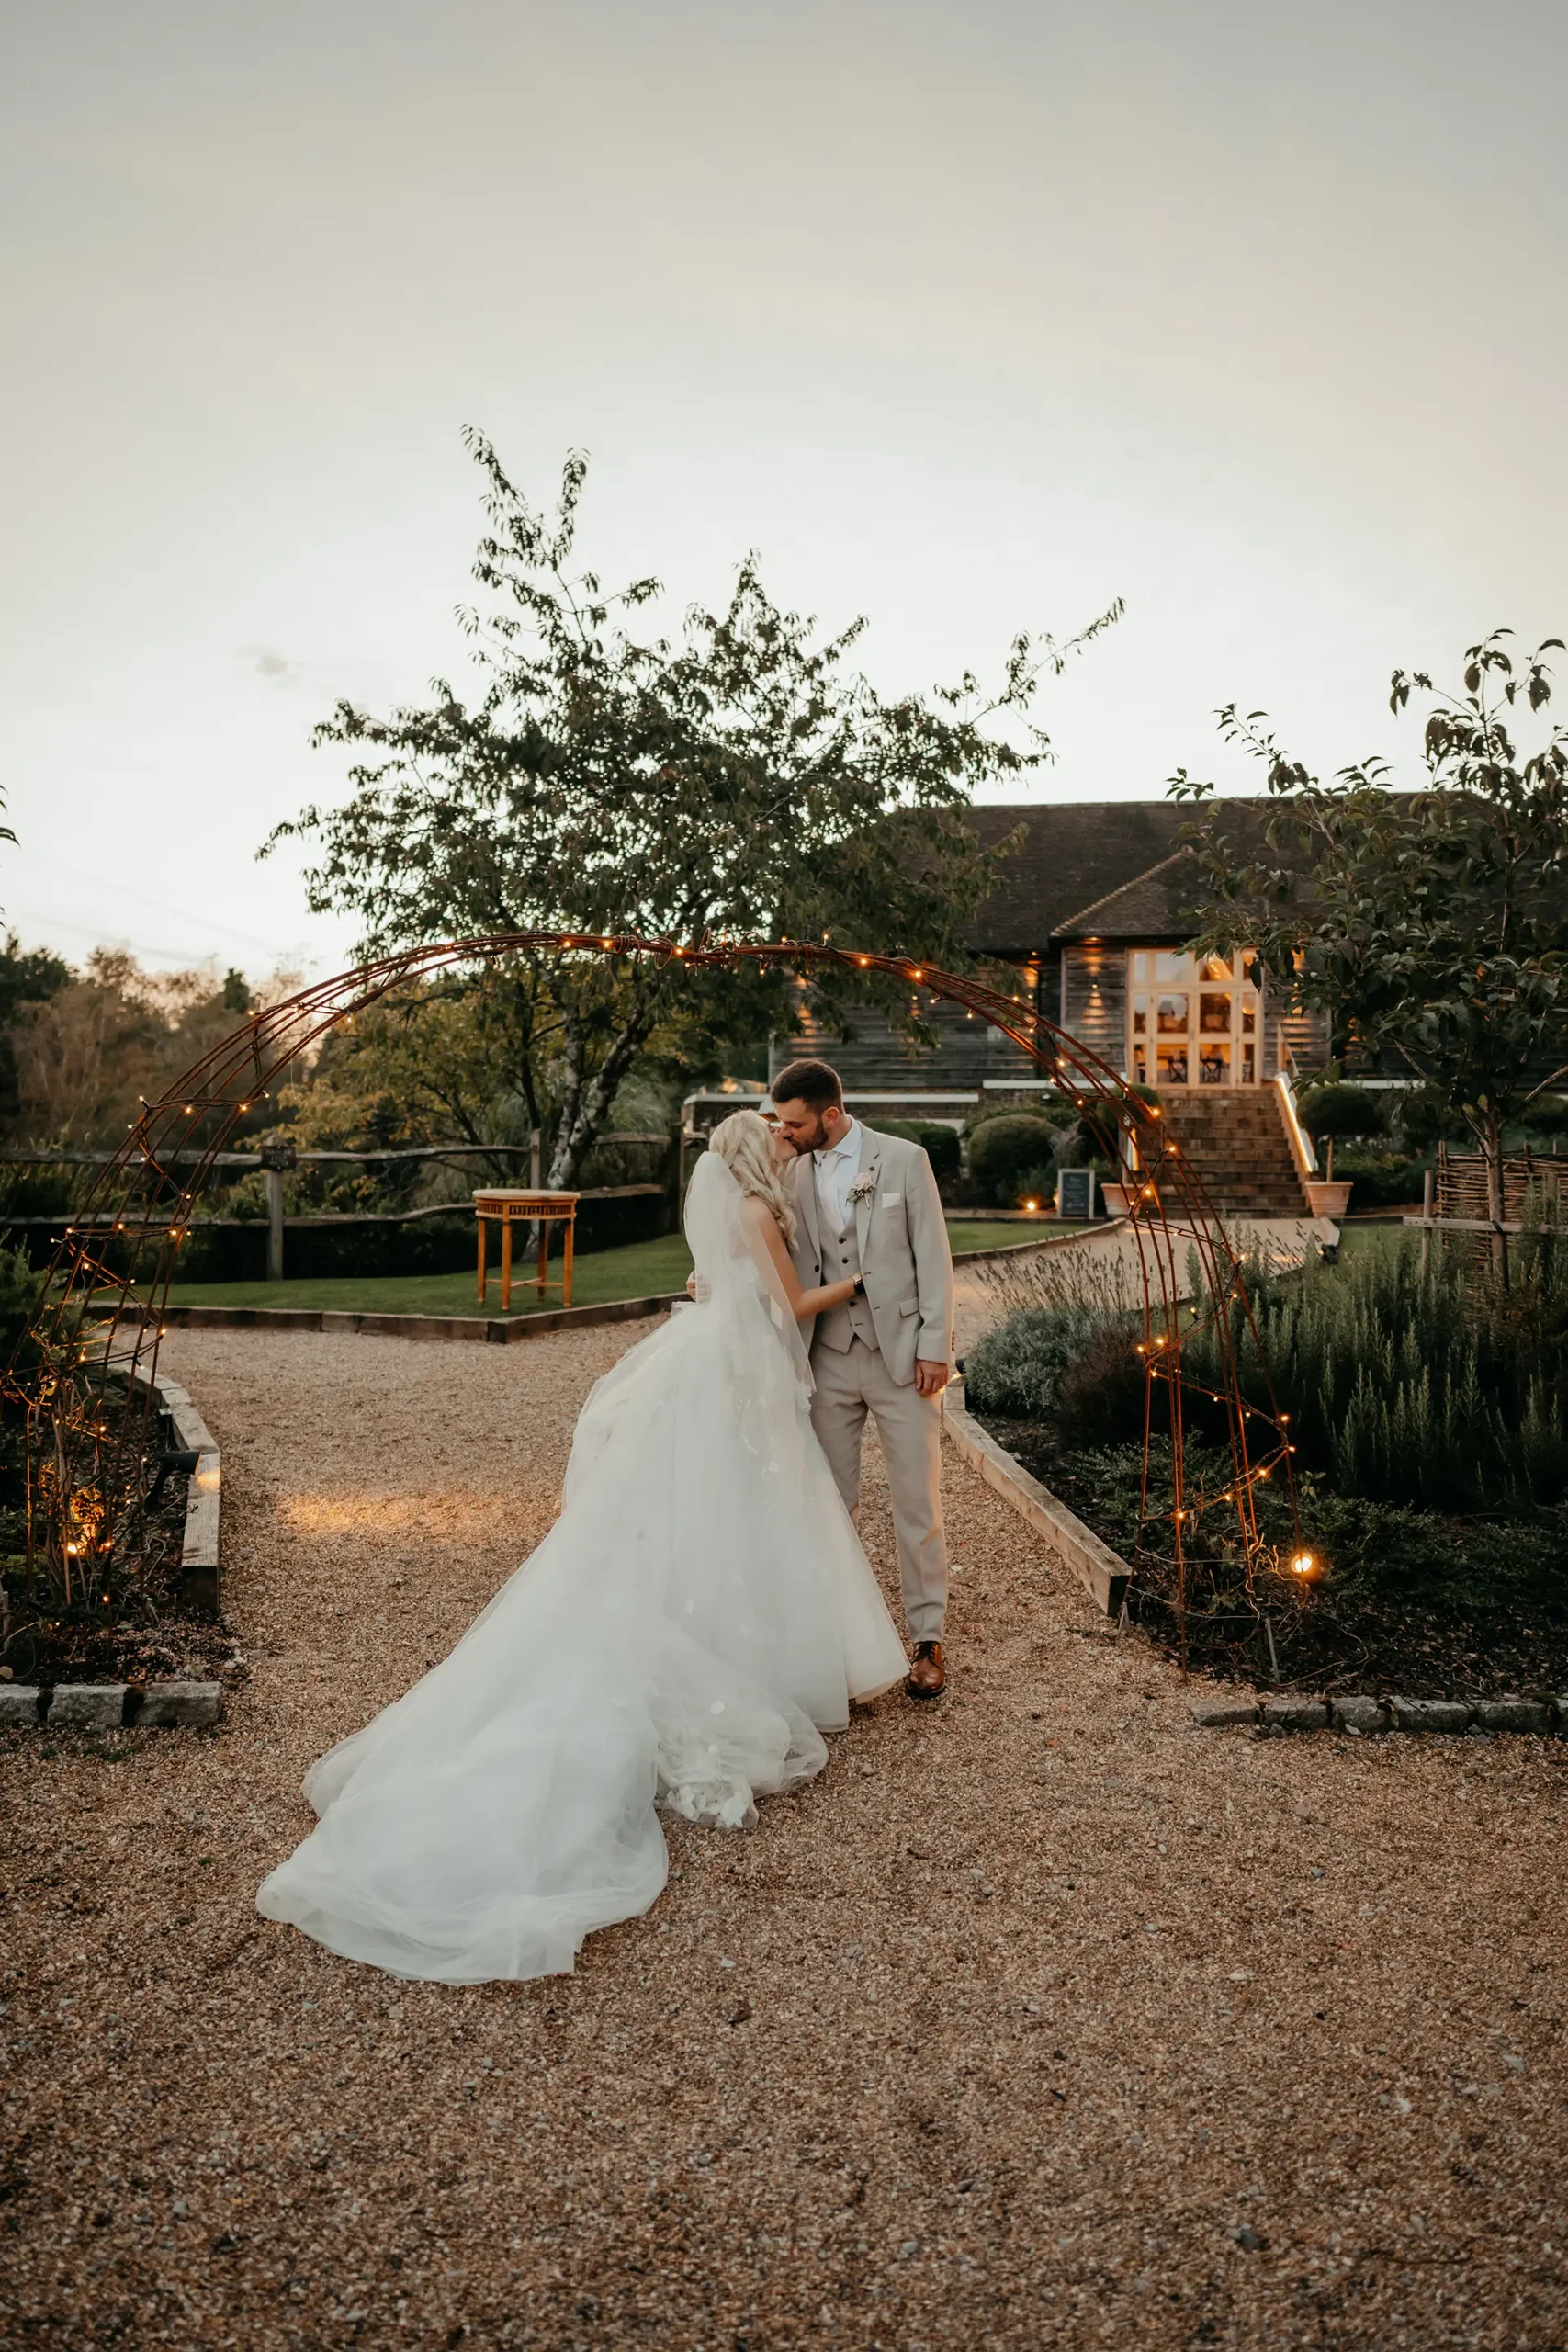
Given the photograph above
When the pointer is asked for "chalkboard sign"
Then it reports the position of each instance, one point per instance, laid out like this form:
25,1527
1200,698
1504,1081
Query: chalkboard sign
1075,1192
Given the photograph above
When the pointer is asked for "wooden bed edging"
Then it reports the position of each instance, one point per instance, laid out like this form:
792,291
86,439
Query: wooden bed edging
201,1576
1103,1573
500,1330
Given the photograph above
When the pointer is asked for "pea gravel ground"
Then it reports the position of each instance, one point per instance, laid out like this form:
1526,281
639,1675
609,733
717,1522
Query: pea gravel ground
1040,2018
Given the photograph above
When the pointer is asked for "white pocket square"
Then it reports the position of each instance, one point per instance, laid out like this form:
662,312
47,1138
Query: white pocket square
891,1200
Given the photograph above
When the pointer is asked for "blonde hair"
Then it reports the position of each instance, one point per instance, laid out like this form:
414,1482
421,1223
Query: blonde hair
744,1143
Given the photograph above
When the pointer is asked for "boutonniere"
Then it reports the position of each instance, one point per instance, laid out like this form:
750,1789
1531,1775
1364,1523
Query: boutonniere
861,1190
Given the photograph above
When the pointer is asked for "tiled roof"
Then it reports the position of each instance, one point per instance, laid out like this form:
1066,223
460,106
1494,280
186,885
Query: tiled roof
1154,905
1120,862
1072,853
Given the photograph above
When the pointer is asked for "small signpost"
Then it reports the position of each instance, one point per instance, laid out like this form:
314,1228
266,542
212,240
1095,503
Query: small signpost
506,1206
1074,1193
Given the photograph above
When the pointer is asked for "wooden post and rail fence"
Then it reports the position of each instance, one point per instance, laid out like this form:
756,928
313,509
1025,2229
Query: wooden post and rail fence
275,1160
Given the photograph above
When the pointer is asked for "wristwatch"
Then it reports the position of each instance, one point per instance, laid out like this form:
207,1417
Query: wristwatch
859,1290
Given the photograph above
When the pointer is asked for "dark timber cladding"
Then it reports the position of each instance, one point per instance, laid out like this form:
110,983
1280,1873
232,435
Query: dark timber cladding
1094,999
873,1059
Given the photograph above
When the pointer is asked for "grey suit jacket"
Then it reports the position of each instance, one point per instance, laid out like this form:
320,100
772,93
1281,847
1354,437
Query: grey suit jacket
904,1252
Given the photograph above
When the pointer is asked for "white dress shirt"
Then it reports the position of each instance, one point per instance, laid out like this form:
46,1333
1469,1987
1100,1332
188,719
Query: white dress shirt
835,1171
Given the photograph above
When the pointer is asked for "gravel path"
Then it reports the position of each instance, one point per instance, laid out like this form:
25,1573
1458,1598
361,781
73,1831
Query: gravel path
1040,2018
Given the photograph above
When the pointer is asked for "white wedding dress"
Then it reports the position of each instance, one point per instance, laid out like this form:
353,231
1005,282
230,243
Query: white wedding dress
700,1613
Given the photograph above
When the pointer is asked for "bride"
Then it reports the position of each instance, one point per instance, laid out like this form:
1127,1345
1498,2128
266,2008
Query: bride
700,1613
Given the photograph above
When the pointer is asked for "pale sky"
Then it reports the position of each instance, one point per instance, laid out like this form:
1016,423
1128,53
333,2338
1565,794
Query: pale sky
968,316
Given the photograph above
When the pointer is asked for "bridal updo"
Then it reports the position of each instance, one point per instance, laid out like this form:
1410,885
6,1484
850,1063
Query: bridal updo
745,1144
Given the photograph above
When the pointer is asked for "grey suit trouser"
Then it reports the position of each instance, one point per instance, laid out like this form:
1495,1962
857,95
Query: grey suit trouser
851,1383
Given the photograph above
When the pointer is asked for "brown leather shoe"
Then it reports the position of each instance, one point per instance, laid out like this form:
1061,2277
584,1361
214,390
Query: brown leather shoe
928,1674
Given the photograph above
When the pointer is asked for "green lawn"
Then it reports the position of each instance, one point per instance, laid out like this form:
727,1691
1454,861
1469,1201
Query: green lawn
1006,1233
646,1270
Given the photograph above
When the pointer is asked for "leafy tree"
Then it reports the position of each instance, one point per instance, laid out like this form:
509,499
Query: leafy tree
429,1065
28,975
1431,924
736,780
86,1045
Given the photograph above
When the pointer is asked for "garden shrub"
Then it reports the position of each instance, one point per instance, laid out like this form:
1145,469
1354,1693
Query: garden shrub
940,1143
1424,1120
1427,1388
1382,1180
1002,1150
1340,1112
1100,1396
1016,1368
1055,1109
20,1287
1546,1119
1036,1184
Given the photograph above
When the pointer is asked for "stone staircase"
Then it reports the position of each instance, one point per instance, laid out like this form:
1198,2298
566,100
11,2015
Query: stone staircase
1236,1138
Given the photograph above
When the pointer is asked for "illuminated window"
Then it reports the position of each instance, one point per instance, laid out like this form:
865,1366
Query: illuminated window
1206,1018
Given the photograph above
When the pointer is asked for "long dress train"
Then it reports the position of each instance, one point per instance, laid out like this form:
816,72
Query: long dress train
700,1613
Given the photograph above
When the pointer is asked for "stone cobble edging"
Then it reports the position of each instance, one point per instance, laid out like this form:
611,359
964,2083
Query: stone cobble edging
1362,1716
109,1706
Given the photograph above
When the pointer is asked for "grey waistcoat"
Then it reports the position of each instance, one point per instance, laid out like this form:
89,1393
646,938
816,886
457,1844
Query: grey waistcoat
841,1259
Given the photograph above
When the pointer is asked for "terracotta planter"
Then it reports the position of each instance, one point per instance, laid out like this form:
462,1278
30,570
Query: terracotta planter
1328,1200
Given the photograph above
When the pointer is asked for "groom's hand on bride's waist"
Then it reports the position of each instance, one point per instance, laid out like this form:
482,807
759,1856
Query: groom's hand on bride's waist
931,1376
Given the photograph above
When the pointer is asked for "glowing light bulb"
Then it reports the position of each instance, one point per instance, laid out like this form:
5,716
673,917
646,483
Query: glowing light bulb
1304,1564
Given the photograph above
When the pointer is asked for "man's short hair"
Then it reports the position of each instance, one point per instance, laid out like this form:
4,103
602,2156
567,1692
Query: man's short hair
814,1084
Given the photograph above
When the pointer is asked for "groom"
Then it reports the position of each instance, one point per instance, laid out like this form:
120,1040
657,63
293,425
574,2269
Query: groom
867,1205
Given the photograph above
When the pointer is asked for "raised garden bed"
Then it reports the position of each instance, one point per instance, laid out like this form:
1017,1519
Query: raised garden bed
1428,1414
167,1635
1418,1603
